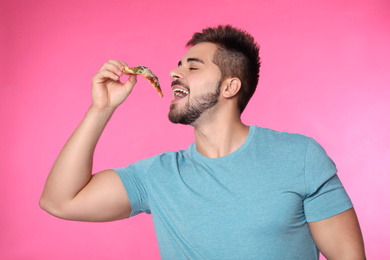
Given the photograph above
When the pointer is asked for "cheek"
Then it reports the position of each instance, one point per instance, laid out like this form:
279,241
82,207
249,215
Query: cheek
202,82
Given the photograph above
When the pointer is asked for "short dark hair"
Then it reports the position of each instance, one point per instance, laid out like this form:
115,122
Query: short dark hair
237,56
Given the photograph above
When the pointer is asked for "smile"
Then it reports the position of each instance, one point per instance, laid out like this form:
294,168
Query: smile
178,92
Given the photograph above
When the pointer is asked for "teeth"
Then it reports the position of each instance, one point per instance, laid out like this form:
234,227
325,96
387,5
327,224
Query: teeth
180,92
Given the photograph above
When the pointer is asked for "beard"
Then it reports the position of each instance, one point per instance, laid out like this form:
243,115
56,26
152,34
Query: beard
193,110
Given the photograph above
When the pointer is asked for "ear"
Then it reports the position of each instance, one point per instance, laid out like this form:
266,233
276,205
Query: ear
230,87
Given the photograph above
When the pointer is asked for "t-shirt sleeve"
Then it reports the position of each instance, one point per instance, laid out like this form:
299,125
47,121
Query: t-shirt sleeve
133,178
325,195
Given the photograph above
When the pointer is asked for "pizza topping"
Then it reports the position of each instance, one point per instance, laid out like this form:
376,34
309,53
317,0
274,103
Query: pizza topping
146,73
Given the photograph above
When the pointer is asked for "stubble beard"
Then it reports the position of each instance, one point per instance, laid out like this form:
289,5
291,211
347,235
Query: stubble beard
192,111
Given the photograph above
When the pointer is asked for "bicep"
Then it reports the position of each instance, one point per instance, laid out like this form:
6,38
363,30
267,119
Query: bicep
103,199
339,237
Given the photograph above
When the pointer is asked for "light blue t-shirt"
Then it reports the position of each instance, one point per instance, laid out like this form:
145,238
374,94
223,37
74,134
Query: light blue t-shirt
251,204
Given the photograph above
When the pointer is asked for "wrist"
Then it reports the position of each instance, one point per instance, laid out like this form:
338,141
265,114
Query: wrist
101,109
101,112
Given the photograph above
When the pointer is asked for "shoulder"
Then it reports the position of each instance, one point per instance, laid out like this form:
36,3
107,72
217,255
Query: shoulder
281,139
159,165
161,160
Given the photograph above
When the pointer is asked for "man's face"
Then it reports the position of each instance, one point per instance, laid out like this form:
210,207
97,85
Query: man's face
195,86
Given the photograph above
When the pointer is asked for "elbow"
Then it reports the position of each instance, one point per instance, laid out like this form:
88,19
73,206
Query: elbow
50,207
44,204
60,210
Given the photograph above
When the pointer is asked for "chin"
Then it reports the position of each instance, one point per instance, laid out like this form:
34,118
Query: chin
178,117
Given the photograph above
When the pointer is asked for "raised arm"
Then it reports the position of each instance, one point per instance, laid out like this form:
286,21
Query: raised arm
71,191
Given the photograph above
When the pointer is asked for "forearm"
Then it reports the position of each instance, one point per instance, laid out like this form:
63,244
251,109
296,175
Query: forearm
72,169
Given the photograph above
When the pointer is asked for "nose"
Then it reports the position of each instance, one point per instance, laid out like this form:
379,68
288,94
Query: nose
175,73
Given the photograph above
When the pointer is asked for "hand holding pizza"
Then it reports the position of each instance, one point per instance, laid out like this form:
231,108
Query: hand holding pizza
107,90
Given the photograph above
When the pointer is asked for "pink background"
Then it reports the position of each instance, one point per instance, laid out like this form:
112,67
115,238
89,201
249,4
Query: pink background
325,74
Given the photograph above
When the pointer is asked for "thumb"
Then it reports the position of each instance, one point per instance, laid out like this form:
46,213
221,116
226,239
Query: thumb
130,82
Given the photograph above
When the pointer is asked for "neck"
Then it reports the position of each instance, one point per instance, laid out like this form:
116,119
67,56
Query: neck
220,136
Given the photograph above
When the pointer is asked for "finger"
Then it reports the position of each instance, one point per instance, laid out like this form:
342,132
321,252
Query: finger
116,62
112,67
119,64
124,64
105,74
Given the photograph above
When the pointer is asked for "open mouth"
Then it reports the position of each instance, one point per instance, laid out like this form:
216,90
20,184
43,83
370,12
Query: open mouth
179,93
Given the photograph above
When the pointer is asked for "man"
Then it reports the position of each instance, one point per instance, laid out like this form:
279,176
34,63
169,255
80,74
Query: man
238,192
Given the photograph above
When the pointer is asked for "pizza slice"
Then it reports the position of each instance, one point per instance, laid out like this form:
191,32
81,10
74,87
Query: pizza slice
146,73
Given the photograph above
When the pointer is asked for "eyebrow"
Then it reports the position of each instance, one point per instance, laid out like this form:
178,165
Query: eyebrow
190,60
